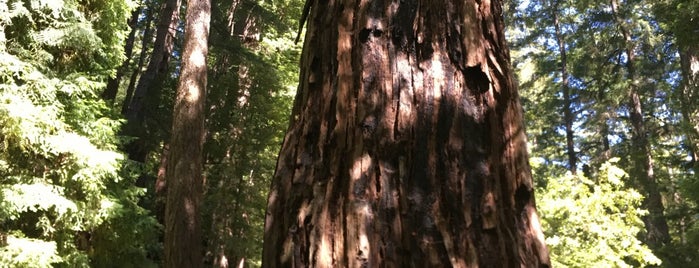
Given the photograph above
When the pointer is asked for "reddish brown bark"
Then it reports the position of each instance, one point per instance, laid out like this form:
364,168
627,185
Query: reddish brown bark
183,242
406,146
161,185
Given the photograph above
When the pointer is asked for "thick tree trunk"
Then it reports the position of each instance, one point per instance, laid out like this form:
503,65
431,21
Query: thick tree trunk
151,78
657,231
110,92
183,242
406,146
565,87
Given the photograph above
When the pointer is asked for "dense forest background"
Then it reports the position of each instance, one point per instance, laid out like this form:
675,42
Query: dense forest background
610,92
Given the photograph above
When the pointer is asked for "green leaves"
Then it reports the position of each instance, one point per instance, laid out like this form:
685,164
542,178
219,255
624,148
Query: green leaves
249,99
661,33
27,252
594,222
63,198
20,198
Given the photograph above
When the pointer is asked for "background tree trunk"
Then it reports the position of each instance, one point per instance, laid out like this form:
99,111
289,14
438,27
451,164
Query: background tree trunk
145,41
183,243
109,93
406,146
689,59
149,80
657,231
565,88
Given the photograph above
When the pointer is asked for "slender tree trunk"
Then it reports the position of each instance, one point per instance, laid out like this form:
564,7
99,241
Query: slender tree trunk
604,127
157,66
406,146
657,231
161,185
141,61
110,92
183,242
230,112
565,87
603,146
153,76
689,59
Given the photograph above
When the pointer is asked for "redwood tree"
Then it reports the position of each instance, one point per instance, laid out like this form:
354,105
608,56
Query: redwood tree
657,230
406,146
183,244
147,91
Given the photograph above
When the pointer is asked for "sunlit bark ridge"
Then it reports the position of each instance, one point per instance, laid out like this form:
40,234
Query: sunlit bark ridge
406,146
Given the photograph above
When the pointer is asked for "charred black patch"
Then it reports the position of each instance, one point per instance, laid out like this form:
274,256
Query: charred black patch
398,37
402,31
315,74
377,33
476,80
454,47
364,35
425,50
522,197
367,33
368,126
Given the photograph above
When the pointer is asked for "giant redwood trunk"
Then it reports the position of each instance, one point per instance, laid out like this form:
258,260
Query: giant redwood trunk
406,146
183,242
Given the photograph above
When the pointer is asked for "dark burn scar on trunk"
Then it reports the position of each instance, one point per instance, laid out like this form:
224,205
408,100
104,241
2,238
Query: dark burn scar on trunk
364,35
476,80
367,33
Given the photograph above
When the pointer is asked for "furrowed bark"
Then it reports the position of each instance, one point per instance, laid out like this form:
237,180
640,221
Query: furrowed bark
183,241
406,146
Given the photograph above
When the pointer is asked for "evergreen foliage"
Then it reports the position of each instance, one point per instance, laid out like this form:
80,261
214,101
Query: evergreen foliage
254,66
593,222
64,201
599,85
